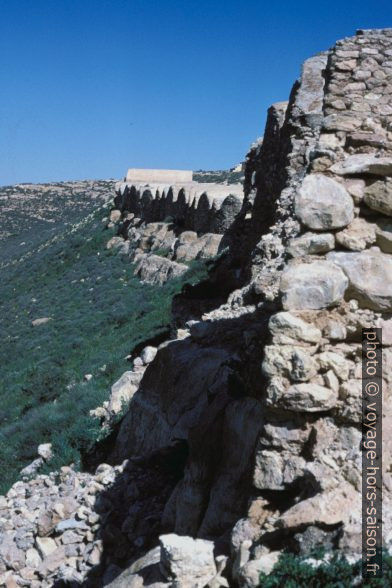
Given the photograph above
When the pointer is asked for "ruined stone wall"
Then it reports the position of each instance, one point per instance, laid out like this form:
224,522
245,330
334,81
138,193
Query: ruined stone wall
204,208
333,278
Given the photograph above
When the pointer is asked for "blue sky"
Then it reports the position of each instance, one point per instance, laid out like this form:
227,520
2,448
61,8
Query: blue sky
89,88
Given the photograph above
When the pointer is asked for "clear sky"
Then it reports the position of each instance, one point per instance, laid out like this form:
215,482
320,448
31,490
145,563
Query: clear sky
89,88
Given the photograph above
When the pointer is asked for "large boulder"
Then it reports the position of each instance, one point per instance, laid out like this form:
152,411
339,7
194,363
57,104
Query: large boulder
322,203
378,196
316,285
370,277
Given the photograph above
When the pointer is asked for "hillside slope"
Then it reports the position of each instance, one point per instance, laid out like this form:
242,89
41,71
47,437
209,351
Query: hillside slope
69,308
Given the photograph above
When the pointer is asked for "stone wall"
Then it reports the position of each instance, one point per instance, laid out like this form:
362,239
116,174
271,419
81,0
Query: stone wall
204,208
330,247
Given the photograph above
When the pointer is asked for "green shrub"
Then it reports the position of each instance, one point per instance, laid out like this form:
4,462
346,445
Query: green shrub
292,571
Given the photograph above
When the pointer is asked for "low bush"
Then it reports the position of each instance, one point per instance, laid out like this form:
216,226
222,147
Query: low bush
293,571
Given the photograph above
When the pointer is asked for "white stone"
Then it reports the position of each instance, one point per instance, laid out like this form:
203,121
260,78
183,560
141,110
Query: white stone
322,203
378,196
287,328
33,559
305,397
115,216
122,391
148,354
370,277
40,321
316,285
336,331
263,564
45,546
358,235
335,362
45,451
189,561
364,164
311,243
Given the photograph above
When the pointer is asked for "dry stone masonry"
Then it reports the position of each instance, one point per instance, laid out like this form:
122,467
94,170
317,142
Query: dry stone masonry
242,434
179,221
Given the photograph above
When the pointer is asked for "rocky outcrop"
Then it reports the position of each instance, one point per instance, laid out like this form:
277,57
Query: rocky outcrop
160,250
250,417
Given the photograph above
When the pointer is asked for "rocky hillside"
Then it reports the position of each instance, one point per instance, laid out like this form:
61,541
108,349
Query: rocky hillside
241,432
30,214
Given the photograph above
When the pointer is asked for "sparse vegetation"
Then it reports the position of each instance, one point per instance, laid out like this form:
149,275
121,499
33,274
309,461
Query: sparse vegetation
293,571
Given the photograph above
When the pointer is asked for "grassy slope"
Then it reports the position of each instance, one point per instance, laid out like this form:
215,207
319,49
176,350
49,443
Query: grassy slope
99,312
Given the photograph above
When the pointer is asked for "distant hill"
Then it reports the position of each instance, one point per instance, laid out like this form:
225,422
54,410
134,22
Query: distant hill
218,176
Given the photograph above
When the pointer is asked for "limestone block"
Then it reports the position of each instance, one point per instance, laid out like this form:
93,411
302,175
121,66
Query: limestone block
268,472
263,564
341,122
364,164
188,561
287,328
288,361
370,277
317,509
334,361
306,397
45,546
311,243
148,354
378,196
357,235
384,235
122,391
322,203
356,188
316,285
